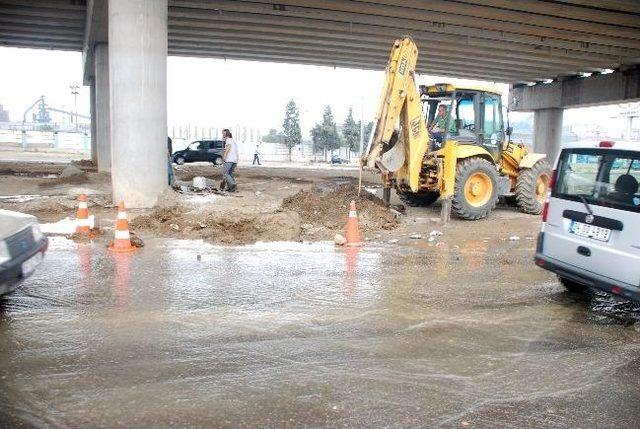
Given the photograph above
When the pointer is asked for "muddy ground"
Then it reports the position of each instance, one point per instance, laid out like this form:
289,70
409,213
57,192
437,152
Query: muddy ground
273,204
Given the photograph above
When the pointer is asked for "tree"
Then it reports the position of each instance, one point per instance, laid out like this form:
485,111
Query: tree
351,133
291,126
368,127
325,135
274,137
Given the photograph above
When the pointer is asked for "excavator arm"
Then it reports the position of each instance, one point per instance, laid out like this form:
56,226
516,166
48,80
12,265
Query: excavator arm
399,107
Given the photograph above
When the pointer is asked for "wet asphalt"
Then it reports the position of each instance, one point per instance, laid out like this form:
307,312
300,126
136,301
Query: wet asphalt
184,334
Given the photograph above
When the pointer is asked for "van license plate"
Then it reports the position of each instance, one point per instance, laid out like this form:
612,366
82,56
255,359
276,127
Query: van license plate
30,264
589,231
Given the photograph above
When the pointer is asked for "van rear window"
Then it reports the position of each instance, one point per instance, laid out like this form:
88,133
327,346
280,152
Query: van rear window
603,177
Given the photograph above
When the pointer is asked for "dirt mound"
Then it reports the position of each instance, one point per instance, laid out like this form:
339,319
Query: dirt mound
179,222
323,211
84,164
315,214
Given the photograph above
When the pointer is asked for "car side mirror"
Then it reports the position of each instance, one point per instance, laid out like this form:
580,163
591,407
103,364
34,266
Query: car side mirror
509,131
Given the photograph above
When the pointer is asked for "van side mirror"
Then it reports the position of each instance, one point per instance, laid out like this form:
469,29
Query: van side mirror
509,131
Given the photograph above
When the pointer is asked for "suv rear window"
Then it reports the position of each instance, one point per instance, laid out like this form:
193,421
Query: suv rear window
603,177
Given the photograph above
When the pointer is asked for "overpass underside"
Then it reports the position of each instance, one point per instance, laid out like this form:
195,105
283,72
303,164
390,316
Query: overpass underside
125,44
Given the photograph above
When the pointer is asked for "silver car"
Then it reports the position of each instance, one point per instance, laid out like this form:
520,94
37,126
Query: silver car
591,221
22,247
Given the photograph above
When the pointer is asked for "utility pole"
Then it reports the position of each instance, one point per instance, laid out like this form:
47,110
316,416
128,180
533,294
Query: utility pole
74,92
361,126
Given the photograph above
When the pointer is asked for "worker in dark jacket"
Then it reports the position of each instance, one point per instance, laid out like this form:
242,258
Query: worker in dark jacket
170,164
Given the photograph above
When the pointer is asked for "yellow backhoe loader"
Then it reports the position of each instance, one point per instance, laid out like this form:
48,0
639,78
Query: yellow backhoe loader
455,149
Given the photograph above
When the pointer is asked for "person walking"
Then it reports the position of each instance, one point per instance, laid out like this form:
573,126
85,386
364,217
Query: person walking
230,158
256,156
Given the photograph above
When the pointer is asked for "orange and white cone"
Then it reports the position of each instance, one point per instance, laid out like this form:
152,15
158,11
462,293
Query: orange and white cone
122,241
82,216
352,231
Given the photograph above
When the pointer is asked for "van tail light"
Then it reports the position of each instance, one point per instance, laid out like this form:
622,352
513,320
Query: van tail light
606,143
545,208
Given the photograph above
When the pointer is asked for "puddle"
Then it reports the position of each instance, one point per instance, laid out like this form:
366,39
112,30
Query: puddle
64,226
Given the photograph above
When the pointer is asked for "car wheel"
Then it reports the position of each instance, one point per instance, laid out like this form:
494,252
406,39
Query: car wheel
572,286
179,160
217,161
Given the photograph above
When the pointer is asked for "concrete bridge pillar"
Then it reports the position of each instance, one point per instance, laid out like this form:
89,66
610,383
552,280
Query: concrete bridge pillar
103,120
547,132
138,102
92,108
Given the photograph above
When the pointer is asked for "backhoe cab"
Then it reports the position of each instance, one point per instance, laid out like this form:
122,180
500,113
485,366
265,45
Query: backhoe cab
450,143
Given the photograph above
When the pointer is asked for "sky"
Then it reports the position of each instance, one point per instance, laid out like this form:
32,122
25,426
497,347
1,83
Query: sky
218,93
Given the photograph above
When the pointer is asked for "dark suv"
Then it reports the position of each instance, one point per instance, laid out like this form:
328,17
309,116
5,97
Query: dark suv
201,151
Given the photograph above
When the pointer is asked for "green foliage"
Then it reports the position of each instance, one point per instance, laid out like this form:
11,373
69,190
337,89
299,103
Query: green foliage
368,128
291,125
351,132
325,135
274,137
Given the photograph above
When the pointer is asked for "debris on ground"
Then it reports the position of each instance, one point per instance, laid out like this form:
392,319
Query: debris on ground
85,164
183,222
93,234
416,236
70,171
514,238
71,174
339,240
435,233
199,182
329,206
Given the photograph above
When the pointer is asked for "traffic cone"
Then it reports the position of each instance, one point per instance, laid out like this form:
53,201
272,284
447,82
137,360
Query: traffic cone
122,241
82,216
352,231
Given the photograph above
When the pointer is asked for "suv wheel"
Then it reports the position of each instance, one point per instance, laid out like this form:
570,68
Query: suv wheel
217,161
179,160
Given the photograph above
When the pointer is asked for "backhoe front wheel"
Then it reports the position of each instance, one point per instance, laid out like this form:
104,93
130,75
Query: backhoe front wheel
476,188
532,186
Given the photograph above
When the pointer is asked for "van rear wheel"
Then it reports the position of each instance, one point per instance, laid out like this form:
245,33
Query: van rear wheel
572,286
532,186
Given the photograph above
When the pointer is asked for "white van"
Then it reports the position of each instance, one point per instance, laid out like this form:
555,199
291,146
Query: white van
591,220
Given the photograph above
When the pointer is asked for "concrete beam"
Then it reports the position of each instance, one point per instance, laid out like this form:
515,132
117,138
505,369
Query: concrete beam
229,45
617,87
349,23
95,31
405,19
606,12
373,44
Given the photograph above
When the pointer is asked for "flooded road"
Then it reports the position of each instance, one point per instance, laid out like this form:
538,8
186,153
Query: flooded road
184,334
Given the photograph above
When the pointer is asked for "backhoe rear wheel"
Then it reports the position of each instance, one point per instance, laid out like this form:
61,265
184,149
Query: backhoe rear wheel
476,188
532,186
418,199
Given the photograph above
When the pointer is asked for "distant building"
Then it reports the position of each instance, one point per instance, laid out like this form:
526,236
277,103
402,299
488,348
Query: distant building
4,115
